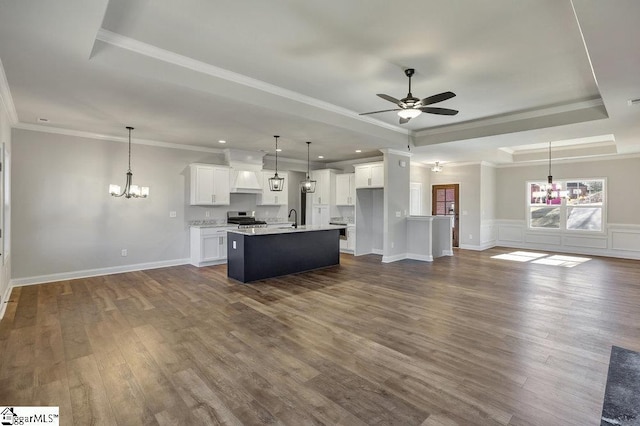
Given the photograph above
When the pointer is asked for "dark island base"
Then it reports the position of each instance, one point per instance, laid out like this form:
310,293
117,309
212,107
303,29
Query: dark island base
257,257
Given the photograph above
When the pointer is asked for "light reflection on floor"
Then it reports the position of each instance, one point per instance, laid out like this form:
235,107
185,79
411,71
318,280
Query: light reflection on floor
543,258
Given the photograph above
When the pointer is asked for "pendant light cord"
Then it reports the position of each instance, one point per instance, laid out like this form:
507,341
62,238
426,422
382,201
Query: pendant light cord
308,148
130,129
549,158
276,154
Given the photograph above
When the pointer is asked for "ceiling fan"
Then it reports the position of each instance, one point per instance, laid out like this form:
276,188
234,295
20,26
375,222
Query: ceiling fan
411,107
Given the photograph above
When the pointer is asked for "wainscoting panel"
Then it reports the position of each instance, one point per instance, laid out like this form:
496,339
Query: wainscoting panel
621,240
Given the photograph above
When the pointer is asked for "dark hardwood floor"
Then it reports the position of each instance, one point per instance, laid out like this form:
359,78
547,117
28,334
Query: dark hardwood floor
465,340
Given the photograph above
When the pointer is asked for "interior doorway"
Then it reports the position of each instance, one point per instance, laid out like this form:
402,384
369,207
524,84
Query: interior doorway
445,202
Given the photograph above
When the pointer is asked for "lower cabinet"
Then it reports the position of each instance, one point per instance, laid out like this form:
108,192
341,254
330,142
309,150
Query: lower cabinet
349,245
208,246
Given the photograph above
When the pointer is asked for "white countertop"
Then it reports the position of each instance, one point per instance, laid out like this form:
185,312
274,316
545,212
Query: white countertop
285,229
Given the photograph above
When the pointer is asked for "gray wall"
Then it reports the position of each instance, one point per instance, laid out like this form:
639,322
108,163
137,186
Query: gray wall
396,199
468,177
421,174
487,204
66,221
5,214
623,190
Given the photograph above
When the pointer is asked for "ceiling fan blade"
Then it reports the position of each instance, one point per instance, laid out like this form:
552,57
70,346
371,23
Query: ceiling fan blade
437,98
384,110
404,120
389,98
439,111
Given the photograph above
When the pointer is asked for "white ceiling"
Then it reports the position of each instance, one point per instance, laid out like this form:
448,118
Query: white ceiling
192,72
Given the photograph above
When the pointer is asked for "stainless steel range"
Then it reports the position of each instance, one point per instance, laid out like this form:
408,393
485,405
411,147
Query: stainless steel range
245,220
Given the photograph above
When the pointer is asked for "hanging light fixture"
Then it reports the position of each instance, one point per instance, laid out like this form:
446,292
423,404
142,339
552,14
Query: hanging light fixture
437,168
308,186
409,113
276,183
549,178
130,190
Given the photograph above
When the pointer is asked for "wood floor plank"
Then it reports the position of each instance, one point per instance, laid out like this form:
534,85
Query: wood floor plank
464,340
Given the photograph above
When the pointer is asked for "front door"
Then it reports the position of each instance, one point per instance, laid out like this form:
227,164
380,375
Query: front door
445,203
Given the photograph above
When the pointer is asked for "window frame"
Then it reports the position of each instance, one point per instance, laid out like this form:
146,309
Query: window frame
565,208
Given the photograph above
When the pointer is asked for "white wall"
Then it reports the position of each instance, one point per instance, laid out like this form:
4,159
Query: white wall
6,256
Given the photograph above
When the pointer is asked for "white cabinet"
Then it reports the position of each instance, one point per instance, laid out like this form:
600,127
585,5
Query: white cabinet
345,189
349,245
208,246
325,182
209,185
370,175
320,215
274,198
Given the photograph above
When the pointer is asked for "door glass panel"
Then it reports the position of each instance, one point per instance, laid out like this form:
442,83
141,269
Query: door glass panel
449,207
440,195
440,208
451,194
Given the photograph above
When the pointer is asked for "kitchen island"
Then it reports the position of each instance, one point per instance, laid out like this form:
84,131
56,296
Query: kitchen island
259,253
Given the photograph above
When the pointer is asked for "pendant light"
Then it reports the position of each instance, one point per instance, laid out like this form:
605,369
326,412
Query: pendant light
437,168
276,183
130,190
308,186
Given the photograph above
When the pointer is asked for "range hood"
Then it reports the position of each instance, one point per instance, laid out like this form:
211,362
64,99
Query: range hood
246,171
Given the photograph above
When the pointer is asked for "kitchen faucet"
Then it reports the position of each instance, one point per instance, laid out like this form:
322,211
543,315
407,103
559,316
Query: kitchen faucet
295,223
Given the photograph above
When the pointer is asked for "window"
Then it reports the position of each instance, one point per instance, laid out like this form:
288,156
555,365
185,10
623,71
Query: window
574,205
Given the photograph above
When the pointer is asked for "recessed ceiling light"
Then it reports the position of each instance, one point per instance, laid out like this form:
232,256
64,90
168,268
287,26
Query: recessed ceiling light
43,120
279,150
320,156
358,150
221,141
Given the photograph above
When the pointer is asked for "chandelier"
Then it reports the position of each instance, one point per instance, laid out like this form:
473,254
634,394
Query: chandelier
130,190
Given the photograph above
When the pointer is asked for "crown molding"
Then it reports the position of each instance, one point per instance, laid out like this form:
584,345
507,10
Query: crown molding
167,56
572,160
122,139
395,152
6,100
517,116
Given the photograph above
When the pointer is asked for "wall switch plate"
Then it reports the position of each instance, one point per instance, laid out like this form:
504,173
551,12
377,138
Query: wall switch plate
398,214
471,236
172,214
123,253
234,244
207,213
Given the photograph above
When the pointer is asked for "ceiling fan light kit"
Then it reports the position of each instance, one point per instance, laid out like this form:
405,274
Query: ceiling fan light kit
410,107
437,168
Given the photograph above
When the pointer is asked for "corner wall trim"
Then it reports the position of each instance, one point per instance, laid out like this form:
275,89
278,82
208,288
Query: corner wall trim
40,279
394,258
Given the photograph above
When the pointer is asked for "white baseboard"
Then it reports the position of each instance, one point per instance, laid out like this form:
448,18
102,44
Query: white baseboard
447,252
18,282
470,247
377,251
422,257
394,258
5,300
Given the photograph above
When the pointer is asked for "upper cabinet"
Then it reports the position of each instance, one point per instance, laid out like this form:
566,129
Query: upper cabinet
325,182
370,175
209,185
274,198
345,189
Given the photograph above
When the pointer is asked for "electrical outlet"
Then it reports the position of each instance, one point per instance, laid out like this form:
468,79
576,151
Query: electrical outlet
123,253
398,214
471,236
173,214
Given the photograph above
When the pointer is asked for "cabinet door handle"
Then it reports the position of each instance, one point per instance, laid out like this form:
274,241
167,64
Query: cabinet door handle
276,199
213,198
220,240
369,182
319,202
